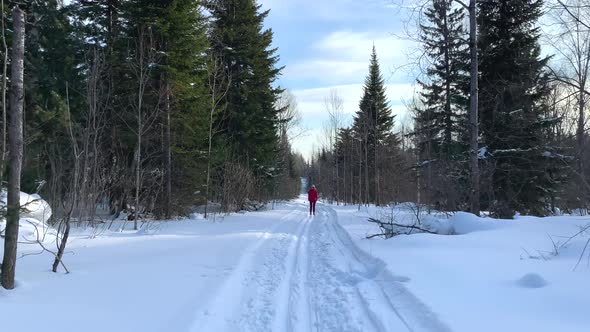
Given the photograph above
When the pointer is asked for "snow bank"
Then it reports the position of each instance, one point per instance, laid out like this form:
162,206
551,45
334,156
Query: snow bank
464,223
493,275
35,212
32,206
402,218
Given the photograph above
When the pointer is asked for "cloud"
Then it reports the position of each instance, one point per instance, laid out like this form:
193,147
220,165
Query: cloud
342,57
326,44
357,46
311,101
326,70
330,10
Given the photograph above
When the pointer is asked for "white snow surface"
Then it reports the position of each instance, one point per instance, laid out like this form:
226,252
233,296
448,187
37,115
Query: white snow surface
283,270
34,214
32,206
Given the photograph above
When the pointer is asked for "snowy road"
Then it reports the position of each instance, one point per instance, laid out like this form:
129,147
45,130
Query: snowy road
305,274
280,270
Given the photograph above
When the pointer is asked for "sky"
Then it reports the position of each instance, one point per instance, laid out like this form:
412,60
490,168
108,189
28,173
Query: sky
326,44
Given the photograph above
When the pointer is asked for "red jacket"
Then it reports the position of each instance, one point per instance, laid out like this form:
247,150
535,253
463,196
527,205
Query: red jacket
312,195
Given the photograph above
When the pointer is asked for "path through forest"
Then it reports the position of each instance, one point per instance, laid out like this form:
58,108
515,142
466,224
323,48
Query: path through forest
304,273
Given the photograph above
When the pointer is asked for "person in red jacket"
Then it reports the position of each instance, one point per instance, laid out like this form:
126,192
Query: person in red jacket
312,197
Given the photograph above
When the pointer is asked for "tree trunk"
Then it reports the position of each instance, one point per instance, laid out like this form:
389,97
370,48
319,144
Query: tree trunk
580,130
168,155
367,168
448,115
4,80
135,211
473,111
16,148
211,111
74,190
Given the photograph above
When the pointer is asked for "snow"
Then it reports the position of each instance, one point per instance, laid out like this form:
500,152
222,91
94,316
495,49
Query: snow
493,275
282,270
33,206
35,212
531,280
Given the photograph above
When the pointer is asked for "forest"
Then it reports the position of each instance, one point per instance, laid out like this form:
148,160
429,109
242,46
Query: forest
146,108
499,116
155,109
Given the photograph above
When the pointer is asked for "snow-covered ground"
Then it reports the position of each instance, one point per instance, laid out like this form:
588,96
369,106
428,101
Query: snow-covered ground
283,270
493,275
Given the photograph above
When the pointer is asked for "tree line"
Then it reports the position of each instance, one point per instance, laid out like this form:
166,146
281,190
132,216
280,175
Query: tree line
497,125
169,102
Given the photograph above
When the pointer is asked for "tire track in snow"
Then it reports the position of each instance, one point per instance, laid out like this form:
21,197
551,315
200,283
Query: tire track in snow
335,303
306,274
253,283
298,316
383,297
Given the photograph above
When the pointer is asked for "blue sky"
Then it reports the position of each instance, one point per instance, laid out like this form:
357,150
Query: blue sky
326,44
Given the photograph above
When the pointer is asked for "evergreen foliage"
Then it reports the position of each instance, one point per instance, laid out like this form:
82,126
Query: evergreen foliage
513,88
441,119
373,125
250,119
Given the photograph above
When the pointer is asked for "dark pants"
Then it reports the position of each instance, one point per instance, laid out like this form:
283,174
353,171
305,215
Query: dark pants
312,207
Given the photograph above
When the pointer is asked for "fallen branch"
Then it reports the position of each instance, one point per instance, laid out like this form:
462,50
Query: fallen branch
389,228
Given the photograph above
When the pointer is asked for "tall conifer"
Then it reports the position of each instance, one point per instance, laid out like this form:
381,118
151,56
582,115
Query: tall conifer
513,86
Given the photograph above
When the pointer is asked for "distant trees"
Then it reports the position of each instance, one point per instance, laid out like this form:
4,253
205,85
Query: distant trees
365,159
523,152
373,125
570,68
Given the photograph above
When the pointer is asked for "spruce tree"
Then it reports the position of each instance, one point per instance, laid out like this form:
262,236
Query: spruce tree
512,90
373,125
442,117
445,92
250,119
53,56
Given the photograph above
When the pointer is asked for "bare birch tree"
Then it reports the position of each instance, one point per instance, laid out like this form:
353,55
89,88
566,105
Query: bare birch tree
16,148
572,63
218,82
4,81
145,60
335,107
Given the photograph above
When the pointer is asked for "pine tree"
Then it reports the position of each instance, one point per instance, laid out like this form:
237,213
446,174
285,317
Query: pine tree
442,117
373,125
512,91
250,119
445,94
53,56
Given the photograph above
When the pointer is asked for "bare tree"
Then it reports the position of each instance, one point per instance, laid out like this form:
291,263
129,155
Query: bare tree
4,80
218,82
573,10
572,64
142,65
73,190
93,178
473,108
289,115
335,107
16,148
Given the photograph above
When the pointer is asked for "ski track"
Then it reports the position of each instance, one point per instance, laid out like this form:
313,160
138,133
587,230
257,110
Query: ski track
306,274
